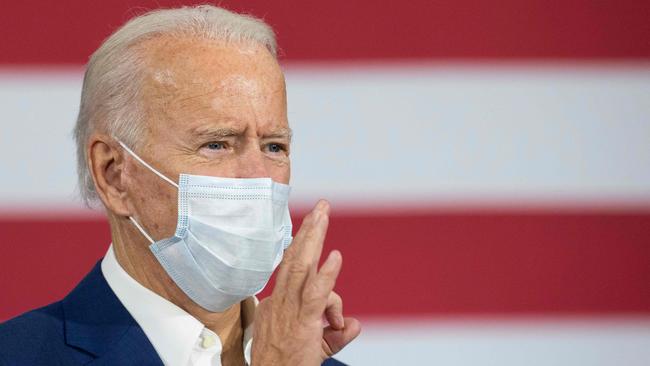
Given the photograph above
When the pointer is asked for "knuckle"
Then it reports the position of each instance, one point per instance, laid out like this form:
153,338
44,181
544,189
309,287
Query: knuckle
299,267
312,294
310,219
328,273
289,255
305,233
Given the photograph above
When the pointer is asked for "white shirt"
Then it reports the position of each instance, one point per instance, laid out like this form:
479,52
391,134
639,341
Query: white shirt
178,338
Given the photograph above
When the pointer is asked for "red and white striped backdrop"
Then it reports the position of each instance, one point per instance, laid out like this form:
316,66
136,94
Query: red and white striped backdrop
488,165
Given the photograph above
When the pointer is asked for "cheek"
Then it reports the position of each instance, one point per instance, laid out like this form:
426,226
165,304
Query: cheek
155,204
280,172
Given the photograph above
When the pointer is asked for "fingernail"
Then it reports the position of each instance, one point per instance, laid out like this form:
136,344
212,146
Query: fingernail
334,255
322,205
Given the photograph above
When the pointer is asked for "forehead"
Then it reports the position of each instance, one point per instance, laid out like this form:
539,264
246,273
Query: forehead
187,77
187,54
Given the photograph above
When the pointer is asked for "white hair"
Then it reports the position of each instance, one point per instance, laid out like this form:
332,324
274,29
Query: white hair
112,83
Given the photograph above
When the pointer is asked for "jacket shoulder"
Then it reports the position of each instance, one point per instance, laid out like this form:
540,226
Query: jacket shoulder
333,362
33,338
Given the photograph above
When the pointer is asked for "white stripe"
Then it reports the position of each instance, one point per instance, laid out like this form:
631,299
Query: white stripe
387,135
558,342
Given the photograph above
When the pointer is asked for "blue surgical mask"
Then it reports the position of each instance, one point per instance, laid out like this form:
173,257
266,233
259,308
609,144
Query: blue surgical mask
230,236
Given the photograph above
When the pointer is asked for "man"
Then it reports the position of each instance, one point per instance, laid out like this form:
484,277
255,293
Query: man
183,137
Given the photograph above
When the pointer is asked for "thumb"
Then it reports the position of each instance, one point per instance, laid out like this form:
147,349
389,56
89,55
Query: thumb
335,340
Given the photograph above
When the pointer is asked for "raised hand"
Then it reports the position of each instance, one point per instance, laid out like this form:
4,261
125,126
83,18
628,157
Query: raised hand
289,324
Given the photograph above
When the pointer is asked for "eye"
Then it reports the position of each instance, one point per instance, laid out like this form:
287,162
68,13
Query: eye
215,145
276,148
215,148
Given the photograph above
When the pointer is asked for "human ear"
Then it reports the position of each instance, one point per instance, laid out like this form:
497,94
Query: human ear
107,169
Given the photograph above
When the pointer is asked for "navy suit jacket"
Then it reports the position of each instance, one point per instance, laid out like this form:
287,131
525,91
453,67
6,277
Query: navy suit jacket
90,326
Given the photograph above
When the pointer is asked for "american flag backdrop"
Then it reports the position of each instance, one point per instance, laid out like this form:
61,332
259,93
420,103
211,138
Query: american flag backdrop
488,165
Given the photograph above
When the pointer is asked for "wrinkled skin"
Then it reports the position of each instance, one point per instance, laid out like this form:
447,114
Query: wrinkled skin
220,110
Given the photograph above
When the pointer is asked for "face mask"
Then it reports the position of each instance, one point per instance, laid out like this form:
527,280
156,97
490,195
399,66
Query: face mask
230,236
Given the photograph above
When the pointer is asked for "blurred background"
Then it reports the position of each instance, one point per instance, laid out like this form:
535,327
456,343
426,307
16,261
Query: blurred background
488,163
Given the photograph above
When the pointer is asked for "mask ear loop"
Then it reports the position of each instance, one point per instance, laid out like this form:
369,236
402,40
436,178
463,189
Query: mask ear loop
147,165
141,230
134,155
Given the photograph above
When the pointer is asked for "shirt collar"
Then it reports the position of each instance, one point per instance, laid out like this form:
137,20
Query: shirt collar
171,330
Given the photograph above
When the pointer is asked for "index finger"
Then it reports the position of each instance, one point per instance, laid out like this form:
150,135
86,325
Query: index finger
303,254
311,247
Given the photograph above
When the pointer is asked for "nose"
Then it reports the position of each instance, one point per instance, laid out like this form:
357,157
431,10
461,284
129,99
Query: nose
251,162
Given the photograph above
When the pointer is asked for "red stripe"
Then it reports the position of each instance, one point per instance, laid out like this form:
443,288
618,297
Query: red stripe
427,264
40,32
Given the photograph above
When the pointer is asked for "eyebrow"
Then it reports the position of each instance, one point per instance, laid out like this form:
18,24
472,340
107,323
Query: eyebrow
284,132
221,132
217,132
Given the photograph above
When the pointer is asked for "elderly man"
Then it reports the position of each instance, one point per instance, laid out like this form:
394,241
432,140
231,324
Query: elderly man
183,136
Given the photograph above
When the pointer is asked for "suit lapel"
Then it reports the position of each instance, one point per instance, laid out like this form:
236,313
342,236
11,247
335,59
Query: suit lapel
97,323
133,349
